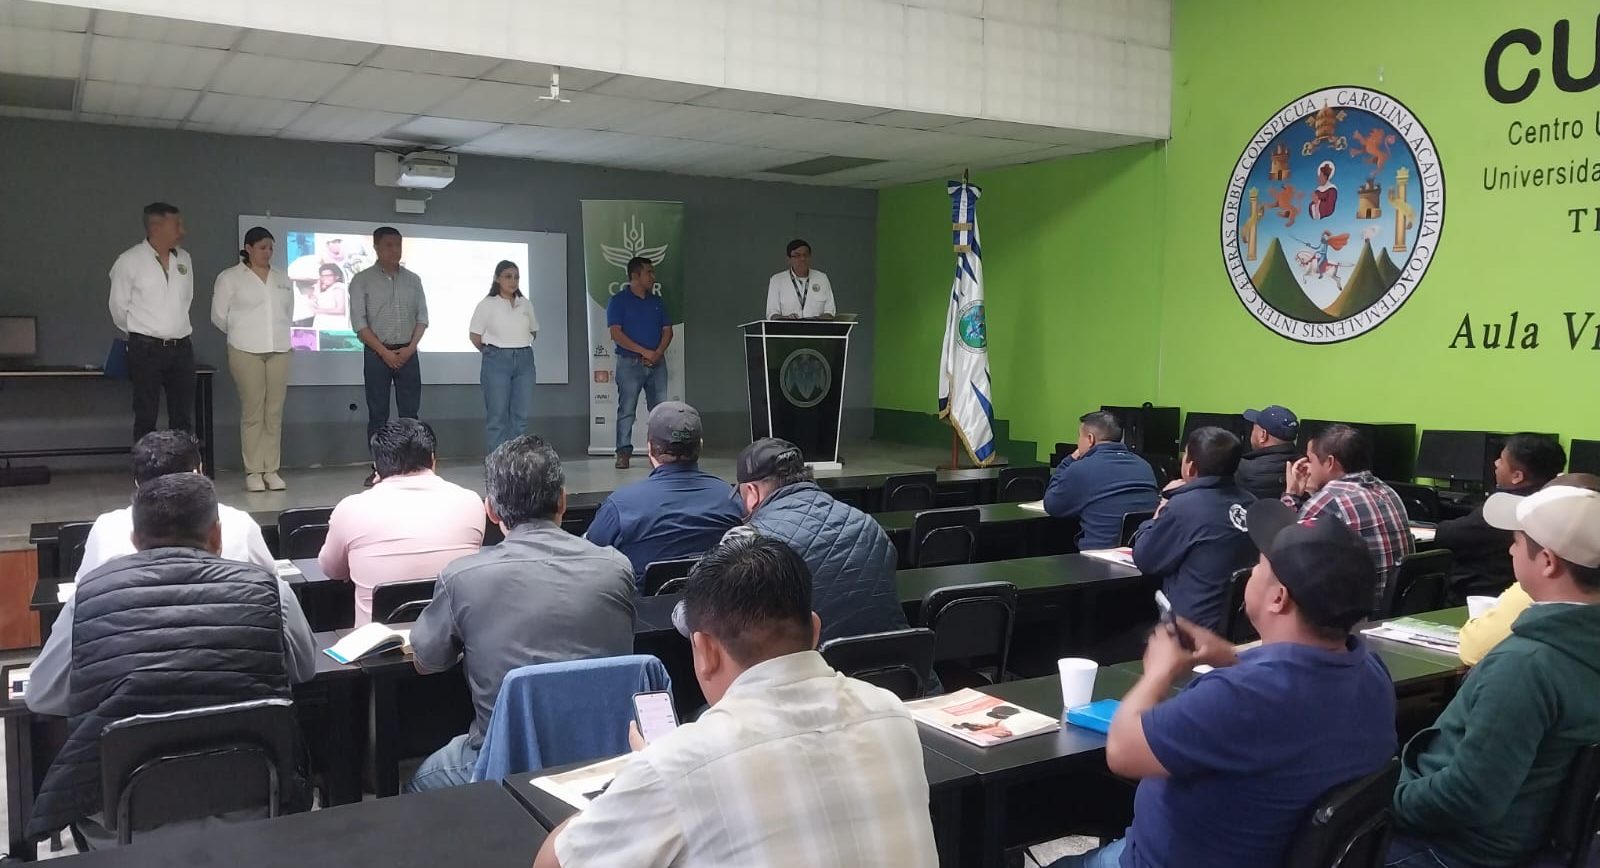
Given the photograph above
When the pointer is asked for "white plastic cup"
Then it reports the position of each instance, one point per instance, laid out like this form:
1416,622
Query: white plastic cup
1077,681
1477,607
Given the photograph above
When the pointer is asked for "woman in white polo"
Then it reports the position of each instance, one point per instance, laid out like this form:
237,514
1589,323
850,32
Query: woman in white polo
503,328
253,304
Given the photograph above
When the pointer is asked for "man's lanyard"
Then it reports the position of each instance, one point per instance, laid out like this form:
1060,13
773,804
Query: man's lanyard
799,290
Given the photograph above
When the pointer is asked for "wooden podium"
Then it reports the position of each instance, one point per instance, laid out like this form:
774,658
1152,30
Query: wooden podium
796,371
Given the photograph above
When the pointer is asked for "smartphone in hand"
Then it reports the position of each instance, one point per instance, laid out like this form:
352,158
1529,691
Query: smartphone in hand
1170,619
654,713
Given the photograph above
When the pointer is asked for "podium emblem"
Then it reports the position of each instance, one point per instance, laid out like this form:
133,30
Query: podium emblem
805,378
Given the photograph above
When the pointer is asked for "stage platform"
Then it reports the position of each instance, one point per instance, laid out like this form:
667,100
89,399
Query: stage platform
84,494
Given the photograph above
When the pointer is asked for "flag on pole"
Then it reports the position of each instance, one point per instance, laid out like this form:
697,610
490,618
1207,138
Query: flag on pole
965,393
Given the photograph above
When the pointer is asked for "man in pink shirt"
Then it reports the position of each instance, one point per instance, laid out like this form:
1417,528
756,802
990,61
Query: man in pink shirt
408,526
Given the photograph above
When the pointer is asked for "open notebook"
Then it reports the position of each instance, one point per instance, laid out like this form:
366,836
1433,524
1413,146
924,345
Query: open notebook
369,641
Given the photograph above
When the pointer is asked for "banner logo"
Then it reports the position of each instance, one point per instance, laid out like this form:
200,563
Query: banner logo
633,245
805,378
974,330
1333,214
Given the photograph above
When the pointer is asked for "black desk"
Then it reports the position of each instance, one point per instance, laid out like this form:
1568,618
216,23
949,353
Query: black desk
204,429
480,825
1005,530
948,782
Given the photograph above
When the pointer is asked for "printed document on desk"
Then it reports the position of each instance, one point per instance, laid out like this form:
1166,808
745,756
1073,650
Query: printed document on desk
1033,505
1122,556
1415,631
979,718
580,786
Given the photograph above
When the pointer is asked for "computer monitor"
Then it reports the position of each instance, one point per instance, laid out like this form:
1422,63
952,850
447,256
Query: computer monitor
1234,422
1394,445
1148,430
1583,456
1459,457
19,337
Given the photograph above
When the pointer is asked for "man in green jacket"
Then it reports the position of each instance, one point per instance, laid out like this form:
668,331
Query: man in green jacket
1477,790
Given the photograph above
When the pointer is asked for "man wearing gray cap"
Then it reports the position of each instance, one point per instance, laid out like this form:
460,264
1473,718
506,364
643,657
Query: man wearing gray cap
678,511
1480,786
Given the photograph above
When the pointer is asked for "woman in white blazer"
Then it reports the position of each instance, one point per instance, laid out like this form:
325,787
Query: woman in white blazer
253,304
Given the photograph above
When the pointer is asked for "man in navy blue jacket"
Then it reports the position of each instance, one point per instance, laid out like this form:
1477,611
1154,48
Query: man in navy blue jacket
1198,538
1100,482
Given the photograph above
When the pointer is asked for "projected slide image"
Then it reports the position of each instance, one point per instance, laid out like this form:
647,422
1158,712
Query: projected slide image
320,267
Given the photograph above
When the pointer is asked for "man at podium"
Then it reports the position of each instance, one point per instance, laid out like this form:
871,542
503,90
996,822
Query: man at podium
800,291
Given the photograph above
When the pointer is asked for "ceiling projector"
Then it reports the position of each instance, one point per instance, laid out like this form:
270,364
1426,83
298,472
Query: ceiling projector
427,170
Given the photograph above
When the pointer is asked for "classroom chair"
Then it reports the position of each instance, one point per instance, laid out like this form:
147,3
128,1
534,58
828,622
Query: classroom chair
305,541
300,516
1422,501
1235,625
658,573
1576,820
157,769
1350,826
972,628
401,602
941,537
71,540
909,491
899,661
1130,526
1419,584
1022,484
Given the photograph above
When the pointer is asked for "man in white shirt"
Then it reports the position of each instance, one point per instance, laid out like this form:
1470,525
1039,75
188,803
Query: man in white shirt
793,765
152,285
155,455
800,291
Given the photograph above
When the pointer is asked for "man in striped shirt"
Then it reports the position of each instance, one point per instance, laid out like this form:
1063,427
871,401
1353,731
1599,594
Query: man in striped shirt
793,764
1335,476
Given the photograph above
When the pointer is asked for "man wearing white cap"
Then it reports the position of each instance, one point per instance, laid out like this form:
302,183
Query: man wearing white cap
1479,787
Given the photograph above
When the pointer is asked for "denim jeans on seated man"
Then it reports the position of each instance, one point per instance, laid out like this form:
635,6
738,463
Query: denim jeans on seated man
1109,856
449,766
634,375
507,377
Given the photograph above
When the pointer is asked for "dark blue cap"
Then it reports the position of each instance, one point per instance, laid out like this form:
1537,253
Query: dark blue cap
1275,420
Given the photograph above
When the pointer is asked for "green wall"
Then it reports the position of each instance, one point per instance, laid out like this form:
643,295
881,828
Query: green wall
1105,276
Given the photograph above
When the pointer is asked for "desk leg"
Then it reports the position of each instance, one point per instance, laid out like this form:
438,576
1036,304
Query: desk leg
946,810
993,823
19,785
344,760
204,423
383,740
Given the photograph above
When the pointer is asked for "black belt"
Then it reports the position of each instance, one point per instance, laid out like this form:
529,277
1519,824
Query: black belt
165,342
396,346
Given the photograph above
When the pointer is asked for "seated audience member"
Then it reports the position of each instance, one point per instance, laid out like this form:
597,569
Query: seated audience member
1479,635
158,454
1197,538
1479,787
1100,482
792,765
170,627
407,526
541,596
1482,559
846,551
1335,477
1262,470
1229,767
680,510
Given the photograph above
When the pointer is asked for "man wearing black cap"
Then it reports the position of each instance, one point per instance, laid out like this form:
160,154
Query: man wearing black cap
1228,767
1272,450
850,557
679,510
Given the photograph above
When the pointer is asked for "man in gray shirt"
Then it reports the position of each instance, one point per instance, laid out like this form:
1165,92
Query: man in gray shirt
542,596
389,313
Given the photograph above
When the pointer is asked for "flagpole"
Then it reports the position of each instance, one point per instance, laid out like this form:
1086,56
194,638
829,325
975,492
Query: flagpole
955,439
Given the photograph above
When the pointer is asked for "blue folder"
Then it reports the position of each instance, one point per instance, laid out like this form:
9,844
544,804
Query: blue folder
1096,715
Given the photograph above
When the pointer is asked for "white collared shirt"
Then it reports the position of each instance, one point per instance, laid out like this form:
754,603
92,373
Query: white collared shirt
796,765
149,300
810,296
255,314
505,324
112,537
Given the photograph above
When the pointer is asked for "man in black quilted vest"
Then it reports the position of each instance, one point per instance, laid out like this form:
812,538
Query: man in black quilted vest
171,627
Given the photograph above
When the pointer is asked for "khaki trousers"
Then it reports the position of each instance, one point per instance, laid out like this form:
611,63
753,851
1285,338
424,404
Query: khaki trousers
262,380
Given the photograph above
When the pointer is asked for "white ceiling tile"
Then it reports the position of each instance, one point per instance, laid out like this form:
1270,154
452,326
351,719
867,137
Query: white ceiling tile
297,47
161,103
1038,13
1009,130
941,54
942,147
912,120
831,111
128,120
856,60
259,75
762,39
44,16
634,87
509,141
432,62
245,112
337,124
538,74
394,91
135,61
493,101
172,31
242,129
750,101
593,111
442,131
564,32
676,40
41,52
679,121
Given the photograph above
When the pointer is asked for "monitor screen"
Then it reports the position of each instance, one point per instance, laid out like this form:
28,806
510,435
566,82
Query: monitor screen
1393,444
1583,456
1457,456
1234,422
19,336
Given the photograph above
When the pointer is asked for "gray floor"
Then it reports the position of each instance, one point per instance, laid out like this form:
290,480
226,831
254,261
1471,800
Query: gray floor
83,494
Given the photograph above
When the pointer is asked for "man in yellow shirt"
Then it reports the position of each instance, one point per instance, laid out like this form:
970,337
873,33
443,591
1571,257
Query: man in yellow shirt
1481,634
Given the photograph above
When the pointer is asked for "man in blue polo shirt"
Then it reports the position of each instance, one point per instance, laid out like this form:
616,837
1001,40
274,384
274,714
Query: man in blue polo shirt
679,511
1100,482
642,330
1228,768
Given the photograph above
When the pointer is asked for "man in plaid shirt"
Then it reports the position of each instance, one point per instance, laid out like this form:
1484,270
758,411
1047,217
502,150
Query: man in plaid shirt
1335,476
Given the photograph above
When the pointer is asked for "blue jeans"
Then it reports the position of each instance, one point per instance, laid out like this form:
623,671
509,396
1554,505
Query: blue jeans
1109,856
1407,852
507,380
449,766
632,375
407,382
